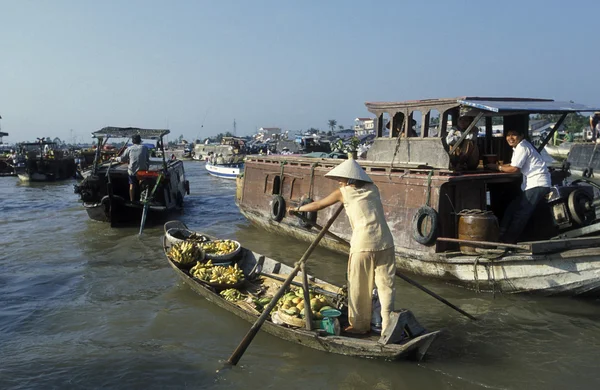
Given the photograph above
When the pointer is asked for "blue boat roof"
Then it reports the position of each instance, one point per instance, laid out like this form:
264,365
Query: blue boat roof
528,105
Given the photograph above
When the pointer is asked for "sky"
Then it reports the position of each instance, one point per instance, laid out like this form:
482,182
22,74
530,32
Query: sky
68,68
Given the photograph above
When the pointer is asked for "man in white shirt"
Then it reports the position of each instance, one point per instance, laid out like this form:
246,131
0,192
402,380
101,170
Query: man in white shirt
536,185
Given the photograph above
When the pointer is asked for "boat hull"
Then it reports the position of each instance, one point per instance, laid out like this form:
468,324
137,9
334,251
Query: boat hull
574,272
224,171
118,210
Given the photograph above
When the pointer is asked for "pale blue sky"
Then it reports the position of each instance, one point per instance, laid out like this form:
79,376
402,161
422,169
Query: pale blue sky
86,64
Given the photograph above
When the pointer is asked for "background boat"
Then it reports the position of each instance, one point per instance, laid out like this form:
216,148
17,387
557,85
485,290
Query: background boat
225,171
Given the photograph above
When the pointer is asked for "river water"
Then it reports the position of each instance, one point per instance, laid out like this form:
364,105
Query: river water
86,306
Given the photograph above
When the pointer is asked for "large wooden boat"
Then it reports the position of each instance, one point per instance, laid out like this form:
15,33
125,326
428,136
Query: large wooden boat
104,191
43,161
264,276
425,184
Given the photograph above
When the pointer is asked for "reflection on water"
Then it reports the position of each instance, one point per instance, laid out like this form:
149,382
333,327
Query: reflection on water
84,306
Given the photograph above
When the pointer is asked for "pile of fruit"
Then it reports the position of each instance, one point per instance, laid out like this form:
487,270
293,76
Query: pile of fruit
185,253
292,304
219,274
231,295
219,247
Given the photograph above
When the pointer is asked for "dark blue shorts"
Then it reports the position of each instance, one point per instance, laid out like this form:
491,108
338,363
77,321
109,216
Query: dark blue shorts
133,179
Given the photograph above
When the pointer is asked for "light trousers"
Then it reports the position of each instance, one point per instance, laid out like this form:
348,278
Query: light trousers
366,270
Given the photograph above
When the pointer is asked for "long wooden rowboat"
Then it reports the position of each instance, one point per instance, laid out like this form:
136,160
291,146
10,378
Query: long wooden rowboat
264,276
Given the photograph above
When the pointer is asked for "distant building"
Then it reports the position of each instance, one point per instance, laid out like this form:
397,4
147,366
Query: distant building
265,133
347,133
364,126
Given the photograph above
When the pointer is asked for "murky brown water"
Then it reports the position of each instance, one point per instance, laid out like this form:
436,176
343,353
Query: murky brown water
86,306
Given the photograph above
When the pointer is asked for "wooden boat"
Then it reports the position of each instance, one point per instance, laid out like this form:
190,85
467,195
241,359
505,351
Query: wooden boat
270,274
104,191
225,171
425,184
43,161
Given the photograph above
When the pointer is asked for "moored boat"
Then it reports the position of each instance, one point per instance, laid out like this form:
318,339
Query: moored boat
104,191
427,186
263,276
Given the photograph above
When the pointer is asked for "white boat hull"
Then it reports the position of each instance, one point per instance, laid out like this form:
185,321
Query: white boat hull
224,171
560,152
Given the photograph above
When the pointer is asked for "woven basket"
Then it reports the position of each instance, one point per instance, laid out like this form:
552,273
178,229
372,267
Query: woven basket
223,258
291,320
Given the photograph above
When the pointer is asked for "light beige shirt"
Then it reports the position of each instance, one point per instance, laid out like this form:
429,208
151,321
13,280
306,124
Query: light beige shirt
370,231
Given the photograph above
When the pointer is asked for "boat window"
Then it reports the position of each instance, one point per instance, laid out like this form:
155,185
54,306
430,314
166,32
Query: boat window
380,125
433,124
397,124
415,120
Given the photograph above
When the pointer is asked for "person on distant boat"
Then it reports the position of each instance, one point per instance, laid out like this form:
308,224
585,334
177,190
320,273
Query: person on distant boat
466,156
371,262
536,185
138,157
220,160
595,125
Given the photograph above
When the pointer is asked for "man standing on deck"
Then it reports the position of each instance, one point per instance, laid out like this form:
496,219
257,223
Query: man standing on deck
536,185
138,156
595,125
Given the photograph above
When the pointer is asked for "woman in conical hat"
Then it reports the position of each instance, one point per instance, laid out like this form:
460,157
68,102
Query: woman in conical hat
371,261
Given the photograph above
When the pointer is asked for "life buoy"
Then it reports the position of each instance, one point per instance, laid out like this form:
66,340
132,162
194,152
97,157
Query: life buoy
277,208
311,216
420,216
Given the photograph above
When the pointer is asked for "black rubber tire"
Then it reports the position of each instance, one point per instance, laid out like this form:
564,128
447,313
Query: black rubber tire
277,208
310,215
587,172
417,223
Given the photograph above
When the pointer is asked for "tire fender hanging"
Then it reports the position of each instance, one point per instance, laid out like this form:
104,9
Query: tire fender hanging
310,215
425,238
277,208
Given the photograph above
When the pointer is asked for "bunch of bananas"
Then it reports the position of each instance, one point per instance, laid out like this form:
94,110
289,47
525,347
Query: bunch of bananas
185,253
231,295
217,273
219,247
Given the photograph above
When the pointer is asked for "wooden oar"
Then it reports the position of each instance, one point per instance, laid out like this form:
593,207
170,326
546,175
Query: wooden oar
239,351
400,275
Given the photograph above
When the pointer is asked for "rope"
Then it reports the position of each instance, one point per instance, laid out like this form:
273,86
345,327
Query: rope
281,176
312,179
475,274
395,152
428,188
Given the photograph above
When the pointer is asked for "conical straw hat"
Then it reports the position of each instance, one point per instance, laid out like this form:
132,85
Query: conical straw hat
349,169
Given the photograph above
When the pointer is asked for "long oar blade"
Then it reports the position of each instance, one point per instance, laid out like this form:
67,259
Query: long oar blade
144,214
